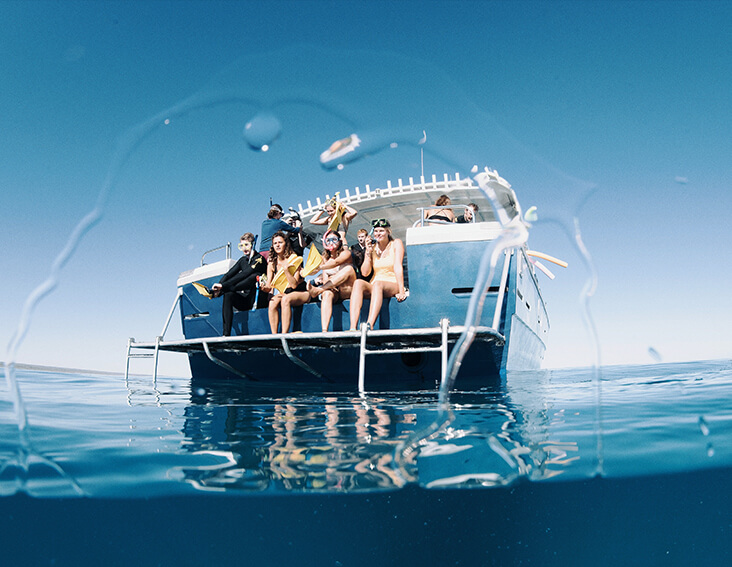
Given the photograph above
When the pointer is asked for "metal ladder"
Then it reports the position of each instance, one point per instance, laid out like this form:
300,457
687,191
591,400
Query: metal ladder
363,352
158,339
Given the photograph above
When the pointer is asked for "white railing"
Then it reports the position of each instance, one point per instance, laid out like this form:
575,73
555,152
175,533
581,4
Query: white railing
445,185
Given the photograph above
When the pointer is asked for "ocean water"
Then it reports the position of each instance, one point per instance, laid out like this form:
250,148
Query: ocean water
542,468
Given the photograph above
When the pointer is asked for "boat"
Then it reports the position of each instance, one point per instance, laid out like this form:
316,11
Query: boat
413,339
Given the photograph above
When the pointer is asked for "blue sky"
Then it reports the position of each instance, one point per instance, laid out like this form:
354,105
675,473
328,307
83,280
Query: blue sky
616,111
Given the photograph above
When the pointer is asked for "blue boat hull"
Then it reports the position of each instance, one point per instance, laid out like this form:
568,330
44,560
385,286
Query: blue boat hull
520,346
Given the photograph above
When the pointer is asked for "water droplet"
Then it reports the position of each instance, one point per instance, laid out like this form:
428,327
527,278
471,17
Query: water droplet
166,121
710,450
200,392
531,215
262,130
654,354
703,426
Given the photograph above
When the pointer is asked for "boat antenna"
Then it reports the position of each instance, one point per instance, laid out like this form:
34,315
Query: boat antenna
421,149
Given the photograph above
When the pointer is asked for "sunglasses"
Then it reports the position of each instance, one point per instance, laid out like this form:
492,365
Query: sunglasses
380,223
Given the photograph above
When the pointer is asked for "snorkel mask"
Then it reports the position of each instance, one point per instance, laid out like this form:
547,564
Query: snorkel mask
331,240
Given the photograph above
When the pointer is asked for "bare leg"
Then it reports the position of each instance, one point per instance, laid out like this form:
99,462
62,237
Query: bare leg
344,276
326,309
360,288
290,300
379,291
274,314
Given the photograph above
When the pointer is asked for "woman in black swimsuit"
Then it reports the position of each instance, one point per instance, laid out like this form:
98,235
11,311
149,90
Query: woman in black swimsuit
281,257
444,215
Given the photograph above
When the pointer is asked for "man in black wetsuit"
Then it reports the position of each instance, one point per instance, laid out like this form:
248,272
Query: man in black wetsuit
238,285
358,251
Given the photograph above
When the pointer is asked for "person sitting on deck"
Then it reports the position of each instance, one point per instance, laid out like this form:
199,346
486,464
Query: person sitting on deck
358,251
338,217
239,284
443,214
469,213
272,224
384,260
286,266
337,277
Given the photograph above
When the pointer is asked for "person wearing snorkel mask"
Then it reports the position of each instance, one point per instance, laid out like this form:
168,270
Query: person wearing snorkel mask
336,279
383,259
238,285
338,217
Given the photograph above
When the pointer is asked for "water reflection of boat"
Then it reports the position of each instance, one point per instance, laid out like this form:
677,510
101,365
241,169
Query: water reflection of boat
414,337
329,442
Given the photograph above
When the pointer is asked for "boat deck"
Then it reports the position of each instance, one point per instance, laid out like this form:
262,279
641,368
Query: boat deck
368,342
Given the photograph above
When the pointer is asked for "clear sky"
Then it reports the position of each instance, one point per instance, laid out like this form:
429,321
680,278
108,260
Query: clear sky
618,112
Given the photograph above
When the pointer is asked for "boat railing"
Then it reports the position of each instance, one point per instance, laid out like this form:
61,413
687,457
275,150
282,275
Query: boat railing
228,252
423,185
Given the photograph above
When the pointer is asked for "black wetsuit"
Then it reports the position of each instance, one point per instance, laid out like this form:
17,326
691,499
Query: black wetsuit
357,254
238,287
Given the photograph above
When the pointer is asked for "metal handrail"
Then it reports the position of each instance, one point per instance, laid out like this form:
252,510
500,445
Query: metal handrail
228,252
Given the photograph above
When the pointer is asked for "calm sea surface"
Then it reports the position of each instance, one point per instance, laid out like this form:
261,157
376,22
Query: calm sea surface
529,471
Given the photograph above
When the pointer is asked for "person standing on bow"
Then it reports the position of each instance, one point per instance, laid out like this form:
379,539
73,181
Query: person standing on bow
272,224
239,284
384,260
337,217
284,282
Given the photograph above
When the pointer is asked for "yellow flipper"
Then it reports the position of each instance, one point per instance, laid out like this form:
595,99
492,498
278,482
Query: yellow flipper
313,262
336,222
279,282
203,290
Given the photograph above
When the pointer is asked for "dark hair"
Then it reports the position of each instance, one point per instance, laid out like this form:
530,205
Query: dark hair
327,254
442,200
288,251
274,211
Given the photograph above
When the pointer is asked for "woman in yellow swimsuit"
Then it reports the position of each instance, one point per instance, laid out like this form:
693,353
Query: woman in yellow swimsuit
384,260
